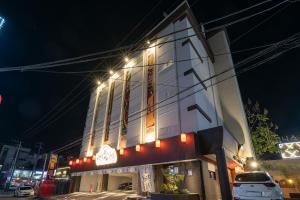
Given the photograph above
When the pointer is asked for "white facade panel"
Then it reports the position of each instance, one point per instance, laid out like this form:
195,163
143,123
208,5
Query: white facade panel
116,111
134,130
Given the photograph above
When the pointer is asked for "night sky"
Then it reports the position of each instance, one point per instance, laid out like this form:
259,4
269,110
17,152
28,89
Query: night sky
41,31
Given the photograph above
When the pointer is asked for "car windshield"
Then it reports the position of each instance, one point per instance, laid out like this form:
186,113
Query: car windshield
25,188
252,177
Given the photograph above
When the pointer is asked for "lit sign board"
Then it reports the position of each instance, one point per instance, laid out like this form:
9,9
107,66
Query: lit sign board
290,150
106,155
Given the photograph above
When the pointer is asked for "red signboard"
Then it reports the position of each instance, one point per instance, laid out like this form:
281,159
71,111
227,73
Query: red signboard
150,117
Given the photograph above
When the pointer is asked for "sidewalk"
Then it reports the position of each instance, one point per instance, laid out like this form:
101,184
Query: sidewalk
6,194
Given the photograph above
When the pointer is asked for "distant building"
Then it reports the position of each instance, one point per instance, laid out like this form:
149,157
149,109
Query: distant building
24,164
167,108
7,155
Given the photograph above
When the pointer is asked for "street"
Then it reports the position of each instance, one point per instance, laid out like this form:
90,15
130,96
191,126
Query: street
78,195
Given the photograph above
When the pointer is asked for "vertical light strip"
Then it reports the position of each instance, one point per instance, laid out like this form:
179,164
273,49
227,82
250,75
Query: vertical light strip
150,117
109,110
92,130
125,109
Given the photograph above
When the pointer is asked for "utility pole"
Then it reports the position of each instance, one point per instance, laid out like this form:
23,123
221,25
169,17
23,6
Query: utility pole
14,162
39,145
44,166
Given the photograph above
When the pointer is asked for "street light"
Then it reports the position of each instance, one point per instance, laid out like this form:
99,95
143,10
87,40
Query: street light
254,164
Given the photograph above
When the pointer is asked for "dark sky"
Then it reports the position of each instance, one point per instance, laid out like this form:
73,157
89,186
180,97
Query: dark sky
40,31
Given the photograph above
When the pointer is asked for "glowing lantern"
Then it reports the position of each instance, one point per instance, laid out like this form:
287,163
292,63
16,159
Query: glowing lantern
183,137
122,151
77,161
84,159
138,148
157,143
94,158
70,162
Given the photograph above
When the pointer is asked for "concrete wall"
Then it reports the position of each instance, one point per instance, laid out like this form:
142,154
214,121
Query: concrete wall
230,98
88,182
212,189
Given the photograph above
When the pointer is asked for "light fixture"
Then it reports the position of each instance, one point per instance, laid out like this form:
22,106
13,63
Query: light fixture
148,42
94,157
183,137
89,152
290,181
150,137
157,143
77,161
70,162
84,159
138,148
254,164
111,72
121,151
126,59
98,83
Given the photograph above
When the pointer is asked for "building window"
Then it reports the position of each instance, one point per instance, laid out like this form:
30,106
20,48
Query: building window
125,109
109,110
150,117
212,175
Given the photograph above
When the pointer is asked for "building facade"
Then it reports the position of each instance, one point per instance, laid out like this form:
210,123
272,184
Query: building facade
174,105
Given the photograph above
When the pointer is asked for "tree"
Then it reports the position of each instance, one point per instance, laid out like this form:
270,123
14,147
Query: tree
262,130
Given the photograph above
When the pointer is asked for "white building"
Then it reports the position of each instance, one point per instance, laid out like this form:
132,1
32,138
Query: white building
169,106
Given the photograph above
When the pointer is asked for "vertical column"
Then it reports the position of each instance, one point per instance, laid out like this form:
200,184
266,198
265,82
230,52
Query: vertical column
223,175
92,131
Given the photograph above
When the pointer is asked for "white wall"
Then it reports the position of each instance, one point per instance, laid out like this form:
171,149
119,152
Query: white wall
232,107
87,182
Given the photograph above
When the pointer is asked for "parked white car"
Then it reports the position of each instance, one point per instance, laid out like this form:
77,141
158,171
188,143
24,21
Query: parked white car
258,185
22,191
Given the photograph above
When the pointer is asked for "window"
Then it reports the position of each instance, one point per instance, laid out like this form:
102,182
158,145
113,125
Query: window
252,177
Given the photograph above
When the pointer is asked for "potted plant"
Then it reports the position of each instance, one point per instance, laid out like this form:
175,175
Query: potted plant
173,189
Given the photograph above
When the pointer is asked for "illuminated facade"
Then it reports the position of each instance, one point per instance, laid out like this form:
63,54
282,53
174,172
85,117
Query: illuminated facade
150,114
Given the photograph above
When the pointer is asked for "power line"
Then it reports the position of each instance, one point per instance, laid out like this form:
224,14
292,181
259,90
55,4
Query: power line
245,61
259,24
105,71
51,120
247,17
237,66
79,84
62,62
77,142
235,13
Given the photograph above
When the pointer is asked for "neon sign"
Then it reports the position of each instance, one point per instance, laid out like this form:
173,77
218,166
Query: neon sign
290,150
106,155
2,21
